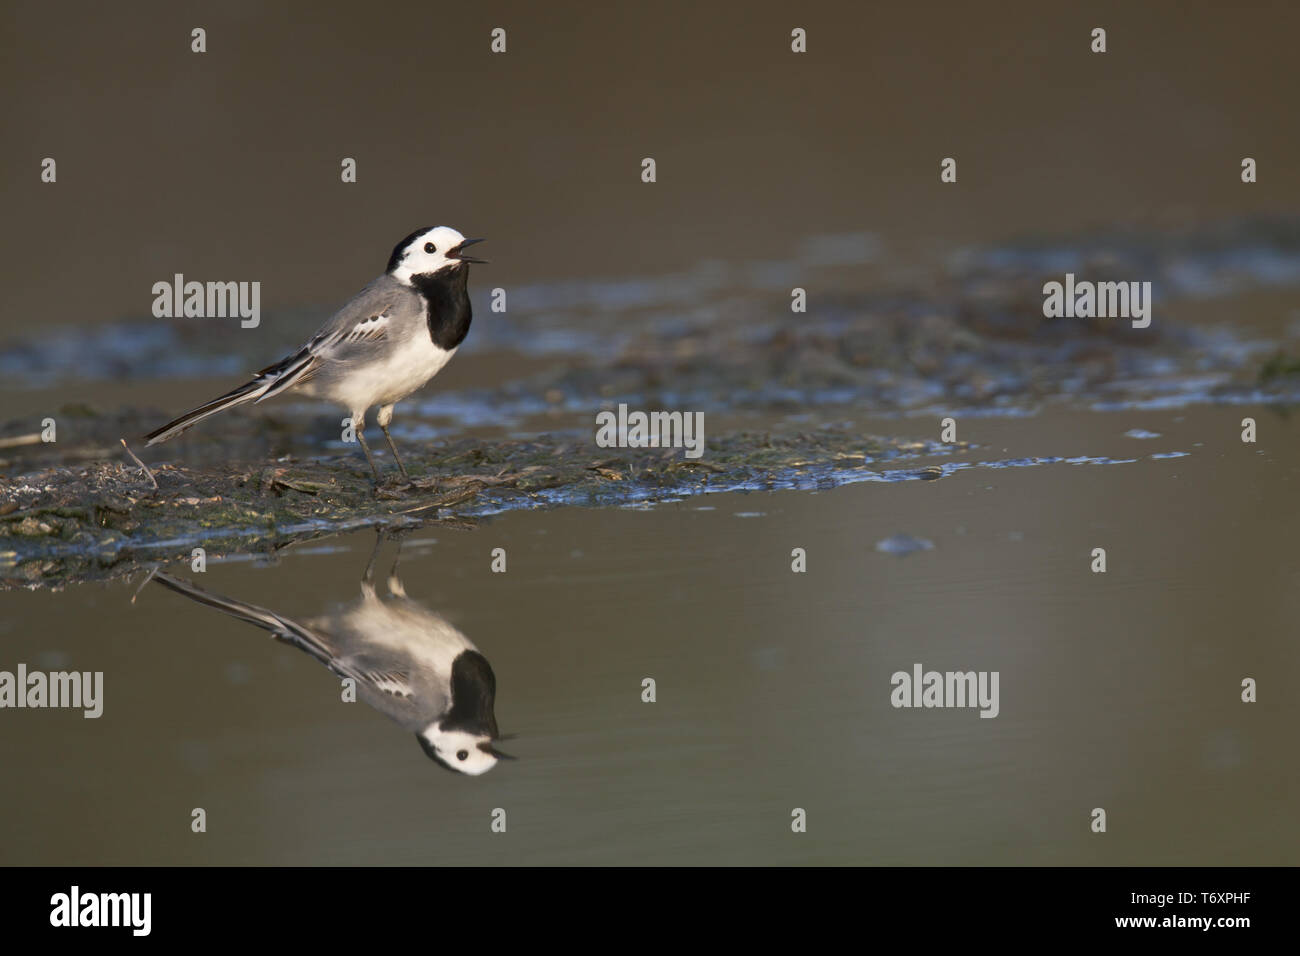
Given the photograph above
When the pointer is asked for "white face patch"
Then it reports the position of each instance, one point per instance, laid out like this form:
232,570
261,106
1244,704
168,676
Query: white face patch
418,259
450,744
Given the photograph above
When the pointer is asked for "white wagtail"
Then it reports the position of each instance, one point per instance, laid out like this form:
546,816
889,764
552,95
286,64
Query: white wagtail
408,663
387,341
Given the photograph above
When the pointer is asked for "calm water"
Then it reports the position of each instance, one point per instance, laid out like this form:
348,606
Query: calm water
1118,690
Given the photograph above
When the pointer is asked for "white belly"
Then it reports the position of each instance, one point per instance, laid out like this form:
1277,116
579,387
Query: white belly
383,383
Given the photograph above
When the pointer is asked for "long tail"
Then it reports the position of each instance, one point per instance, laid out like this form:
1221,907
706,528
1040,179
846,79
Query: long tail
282,628
245,393
272,380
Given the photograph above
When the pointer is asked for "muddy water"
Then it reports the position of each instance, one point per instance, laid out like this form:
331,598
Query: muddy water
1117,690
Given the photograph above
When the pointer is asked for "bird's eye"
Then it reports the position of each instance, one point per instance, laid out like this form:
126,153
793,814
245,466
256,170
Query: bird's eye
462,755
429,247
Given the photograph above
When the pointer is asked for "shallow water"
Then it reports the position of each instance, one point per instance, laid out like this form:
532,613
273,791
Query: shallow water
1117,690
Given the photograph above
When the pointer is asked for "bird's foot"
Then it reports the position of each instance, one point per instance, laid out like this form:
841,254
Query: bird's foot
429,483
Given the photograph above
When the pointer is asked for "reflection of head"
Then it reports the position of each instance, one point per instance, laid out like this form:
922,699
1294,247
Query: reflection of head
459,751
461,740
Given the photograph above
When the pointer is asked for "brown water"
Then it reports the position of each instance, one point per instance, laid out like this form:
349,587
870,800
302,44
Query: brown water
1118,690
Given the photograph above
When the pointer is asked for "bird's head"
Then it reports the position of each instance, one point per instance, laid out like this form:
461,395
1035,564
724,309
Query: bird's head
460,750
429,251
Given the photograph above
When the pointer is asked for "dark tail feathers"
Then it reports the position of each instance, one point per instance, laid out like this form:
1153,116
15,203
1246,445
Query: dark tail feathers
283,628
245,393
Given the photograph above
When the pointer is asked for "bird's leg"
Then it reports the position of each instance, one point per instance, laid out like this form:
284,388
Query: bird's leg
396,457
394,582
368,578
366,449
359,426
384,417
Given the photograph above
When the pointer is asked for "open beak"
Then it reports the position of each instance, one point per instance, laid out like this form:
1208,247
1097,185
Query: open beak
487,748
457,253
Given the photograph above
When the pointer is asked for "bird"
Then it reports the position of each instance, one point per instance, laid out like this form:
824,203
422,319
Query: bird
407,662
388,340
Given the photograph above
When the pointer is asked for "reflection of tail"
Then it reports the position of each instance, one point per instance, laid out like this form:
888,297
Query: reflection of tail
272,380
281,628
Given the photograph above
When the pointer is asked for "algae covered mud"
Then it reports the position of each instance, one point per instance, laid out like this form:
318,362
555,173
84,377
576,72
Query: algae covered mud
107,518
884,374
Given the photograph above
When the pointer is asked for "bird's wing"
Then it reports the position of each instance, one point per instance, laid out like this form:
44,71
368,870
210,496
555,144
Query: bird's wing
387,680
391,684
383,675
297,369
369,326
382,311
370,319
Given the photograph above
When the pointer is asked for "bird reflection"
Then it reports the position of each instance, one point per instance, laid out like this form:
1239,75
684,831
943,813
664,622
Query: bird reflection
408,663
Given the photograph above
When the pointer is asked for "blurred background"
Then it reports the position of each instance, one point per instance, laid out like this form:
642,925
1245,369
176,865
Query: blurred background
226,163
